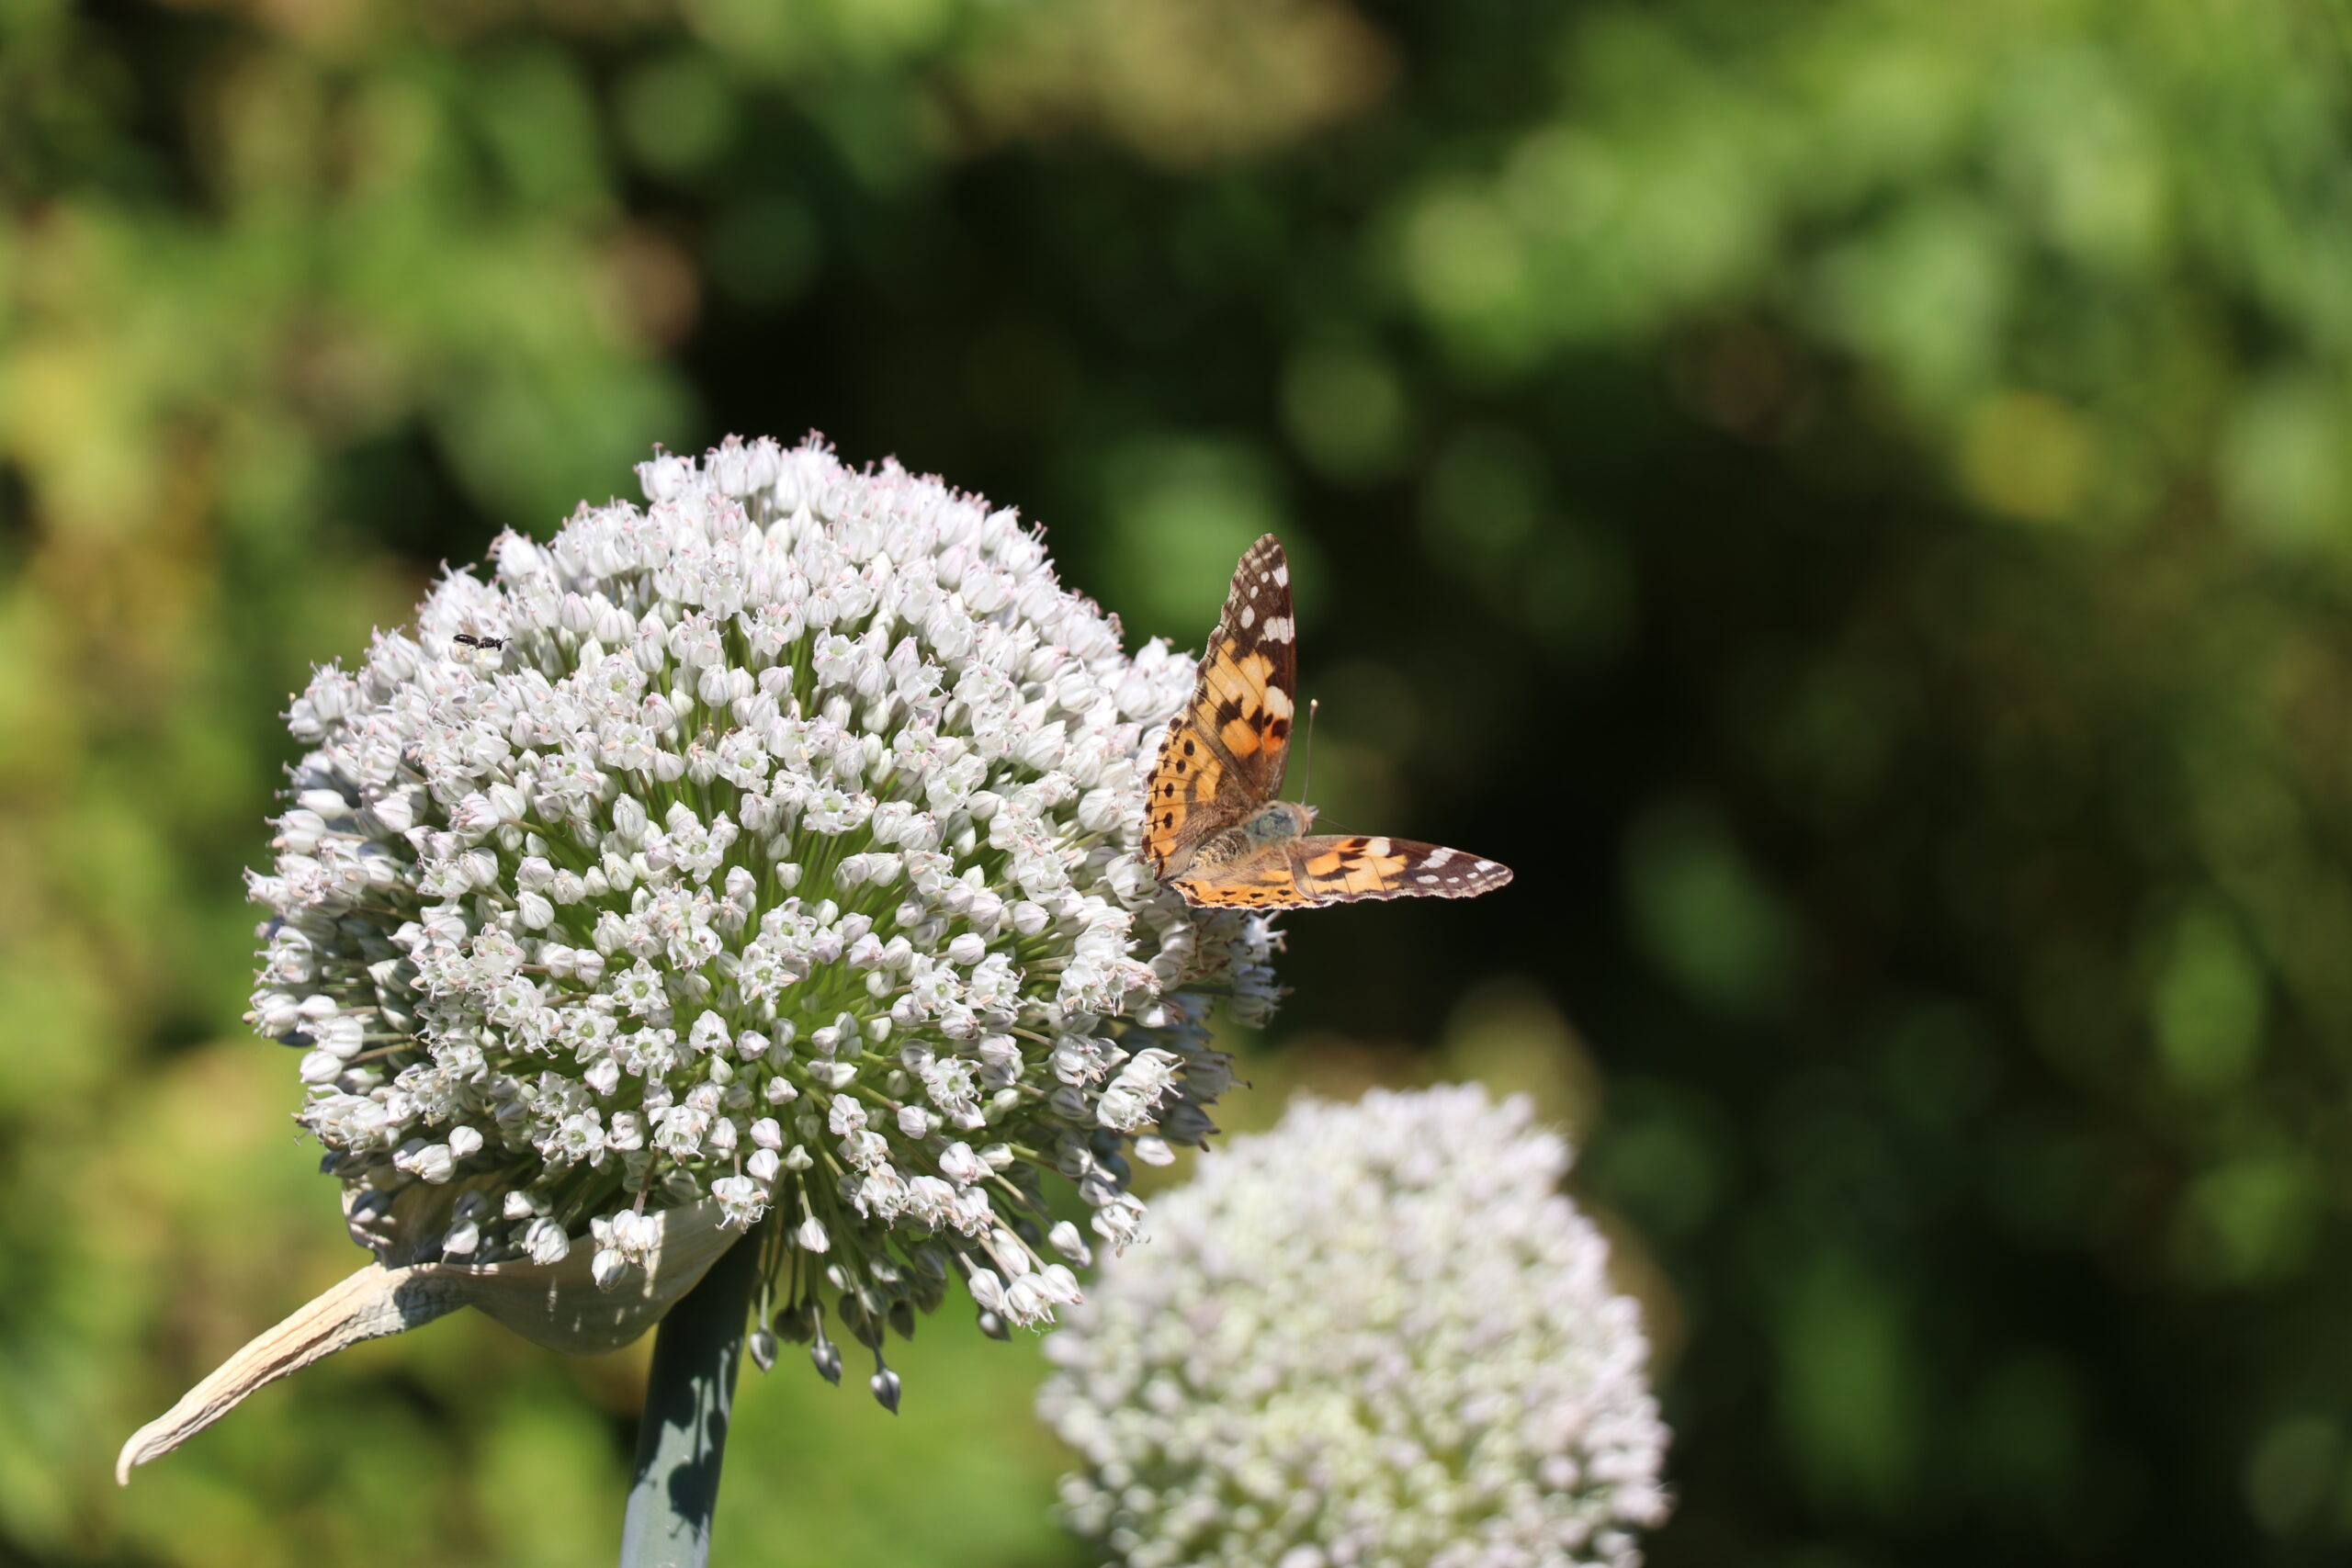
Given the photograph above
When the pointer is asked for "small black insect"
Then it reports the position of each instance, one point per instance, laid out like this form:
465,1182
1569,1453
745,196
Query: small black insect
472,641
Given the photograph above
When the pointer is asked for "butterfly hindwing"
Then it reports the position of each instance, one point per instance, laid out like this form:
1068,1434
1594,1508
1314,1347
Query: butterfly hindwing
1223,756
1334,869
1264,881
1299,873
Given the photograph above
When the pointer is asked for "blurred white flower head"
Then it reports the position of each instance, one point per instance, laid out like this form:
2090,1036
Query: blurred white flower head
1375,1334
770,844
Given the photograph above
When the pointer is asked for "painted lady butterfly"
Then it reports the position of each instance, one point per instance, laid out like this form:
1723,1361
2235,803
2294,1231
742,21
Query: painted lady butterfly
1214,828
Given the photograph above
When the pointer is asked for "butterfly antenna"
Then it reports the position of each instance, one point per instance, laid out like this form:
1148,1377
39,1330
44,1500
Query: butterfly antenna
1306,768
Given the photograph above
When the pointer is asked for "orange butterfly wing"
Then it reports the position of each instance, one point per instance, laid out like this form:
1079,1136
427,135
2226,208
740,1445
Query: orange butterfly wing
1222,758
1342,869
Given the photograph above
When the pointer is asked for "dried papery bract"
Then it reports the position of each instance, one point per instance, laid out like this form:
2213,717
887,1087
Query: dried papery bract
768,847
1376,1334
554,1304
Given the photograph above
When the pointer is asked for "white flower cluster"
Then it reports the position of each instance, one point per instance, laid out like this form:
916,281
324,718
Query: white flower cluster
1375,1335
772,844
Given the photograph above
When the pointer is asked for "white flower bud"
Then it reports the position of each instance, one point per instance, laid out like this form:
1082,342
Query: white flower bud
432,1162
1064,1239
961,1166
988,1290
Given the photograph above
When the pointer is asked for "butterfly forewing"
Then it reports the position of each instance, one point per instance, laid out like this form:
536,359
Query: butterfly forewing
1223,756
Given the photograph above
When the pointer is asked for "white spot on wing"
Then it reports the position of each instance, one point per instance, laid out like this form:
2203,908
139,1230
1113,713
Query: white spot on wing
1486,865
1277,629
1425,880
1281,575
1375,846
1278,701
1249,616
1439,857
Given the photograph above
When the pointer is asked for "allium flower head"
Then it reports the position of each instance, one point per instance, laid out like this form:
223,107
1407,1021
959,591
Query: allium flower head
1375,1334
770,846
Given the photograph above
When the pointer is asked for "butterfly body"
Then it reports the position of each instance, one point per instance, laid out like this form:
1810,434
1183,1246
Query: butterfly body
1213,827
1278,824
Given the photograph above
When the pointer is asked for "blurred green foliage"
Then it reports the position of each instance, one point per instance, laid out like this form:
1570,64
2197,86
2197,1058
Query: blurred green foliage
1849,497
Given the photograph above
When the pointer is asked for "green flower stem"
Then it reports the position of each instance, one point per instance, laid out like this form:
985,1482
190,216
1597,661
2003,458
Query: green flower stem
682,1436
